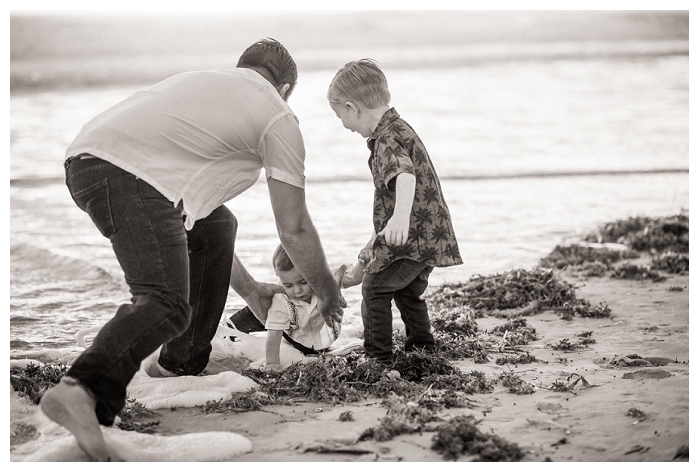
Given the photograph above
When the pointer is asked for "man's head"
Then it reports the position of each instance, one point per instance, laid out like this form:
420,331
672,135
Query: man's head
273,61
295,286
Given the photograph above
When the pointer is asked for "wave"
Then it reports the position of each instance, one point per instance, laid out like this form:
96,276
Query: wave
33,182
37,264
148,68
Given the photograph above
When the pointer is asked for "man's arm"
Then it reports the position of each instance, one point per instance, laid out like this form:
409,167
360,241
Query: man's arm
257,295
300,239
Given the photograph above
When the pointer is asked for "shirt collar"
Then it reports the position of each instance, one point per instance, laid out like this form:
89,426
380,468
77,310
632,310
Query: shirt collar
388,117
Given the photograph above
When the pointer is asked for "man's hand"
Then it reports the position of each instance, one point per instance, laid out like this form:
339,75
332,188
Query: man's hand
332,309
260,299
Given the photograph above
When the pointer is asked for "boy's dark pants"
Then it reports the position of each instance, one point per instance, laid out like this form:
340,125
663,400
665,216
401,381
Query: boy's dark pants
404,281
178,280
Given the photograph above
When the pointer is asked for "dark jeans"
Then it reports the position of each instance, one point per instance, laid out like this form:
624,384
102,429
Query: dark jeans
404,282
178,280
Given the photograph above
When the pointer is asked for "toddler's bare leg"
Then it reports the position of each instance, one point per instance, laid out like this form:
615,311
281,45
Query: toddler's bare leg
73,407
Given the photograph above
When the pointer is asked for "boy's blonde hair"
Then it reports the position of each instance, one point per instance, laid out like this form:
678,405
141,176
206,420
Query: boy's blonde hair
360,81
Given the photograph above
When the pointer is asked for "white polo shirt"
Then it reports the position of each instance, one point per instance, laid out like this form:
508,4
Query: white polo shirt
200,137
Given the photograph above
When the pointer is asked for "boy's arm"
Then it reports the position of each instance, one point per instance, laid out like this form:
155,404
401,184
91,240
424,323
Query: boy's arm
274,340
397,228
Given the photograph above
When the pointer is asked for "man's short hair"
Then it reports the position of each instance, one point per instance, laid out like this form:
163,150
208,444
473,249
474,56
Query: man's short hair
270,55
281,261
360,81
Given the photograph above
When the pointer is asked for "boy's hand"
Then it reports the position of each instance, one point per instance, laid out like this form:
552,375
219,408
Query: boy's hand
396,230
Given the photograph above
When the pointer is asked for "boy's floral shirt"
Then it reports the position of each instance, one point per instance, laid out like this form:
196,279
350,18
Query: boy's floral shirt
395,149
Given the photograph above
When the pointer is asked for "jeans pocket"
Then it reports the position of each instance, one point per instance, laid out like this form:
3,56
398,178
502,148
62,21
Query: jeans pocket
94,200
409,269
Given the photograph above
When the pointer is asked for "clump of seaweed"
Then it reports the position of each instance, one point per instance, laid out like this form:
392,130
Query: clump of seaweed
634,272
646,234
34,379
566,344
454,321
252,400
515,289
520,358
584,309
401,417
460,436
515,384
346,416
578,255
328,379
465,382
671,262
516,331
132,416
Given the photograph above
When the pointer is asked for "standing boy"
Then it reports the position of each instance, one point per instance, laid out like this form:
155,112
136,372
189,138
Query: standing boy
413,232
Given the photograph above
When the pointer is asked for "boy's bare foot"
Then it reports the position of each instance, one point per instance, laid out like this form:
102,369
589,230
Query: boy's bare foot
72,407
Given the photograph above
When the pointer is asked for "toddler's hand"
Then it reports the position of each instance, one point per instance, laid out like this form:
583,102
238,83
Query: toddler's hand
353,276
396,231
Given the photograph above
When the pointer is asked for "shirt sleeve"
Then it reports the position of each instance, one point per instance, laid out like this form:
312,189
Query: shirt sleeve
278,314
392,159
283,151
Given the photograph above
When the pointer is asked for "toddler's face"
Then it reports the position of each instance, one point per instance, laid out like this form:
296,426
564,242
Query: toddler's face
295,285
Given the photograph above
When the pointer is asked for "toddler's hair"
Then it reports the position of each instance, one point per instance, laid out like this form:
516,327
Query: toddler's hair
271,55
360,81
281,261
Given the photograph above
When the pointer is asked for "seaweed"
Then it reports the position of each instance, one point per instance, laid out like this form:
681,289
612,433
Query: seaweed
401,417
634,272
671,262
646,234
33,380
460,435
521,358
577,255
517,332
515,384
131,417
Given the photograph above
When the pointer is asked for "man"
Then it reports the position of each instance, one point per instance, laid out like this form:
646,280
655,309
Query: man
153,172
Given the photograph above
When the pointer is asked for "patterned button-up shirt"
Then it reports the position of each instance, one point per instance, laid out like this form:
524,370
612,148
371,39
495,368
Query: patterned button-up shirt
395,149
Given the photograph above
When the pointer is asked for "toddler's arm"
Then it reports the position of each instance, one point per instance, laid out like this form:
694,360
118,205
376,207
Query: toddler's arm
354,275
397,228
274,340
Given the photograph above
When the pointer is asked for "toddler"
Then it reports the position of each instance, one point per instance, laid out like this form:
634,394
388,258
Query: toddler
294,316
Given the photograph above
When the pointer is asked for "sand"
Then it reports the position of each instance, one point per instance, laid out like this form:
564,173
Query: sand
592,422
587,424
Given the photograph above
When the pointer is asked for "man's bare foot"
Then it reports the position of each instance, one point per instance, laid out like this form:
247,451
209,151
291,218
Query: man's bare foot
72,407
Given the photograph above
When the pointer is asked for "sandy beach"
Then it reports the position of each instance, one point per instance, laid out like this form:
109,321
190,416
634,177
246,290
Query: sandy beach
621,396
585,424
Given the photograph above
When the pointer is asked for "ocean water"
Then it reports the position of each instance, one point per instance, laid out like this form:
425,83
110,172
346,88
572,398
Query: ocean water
530,154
